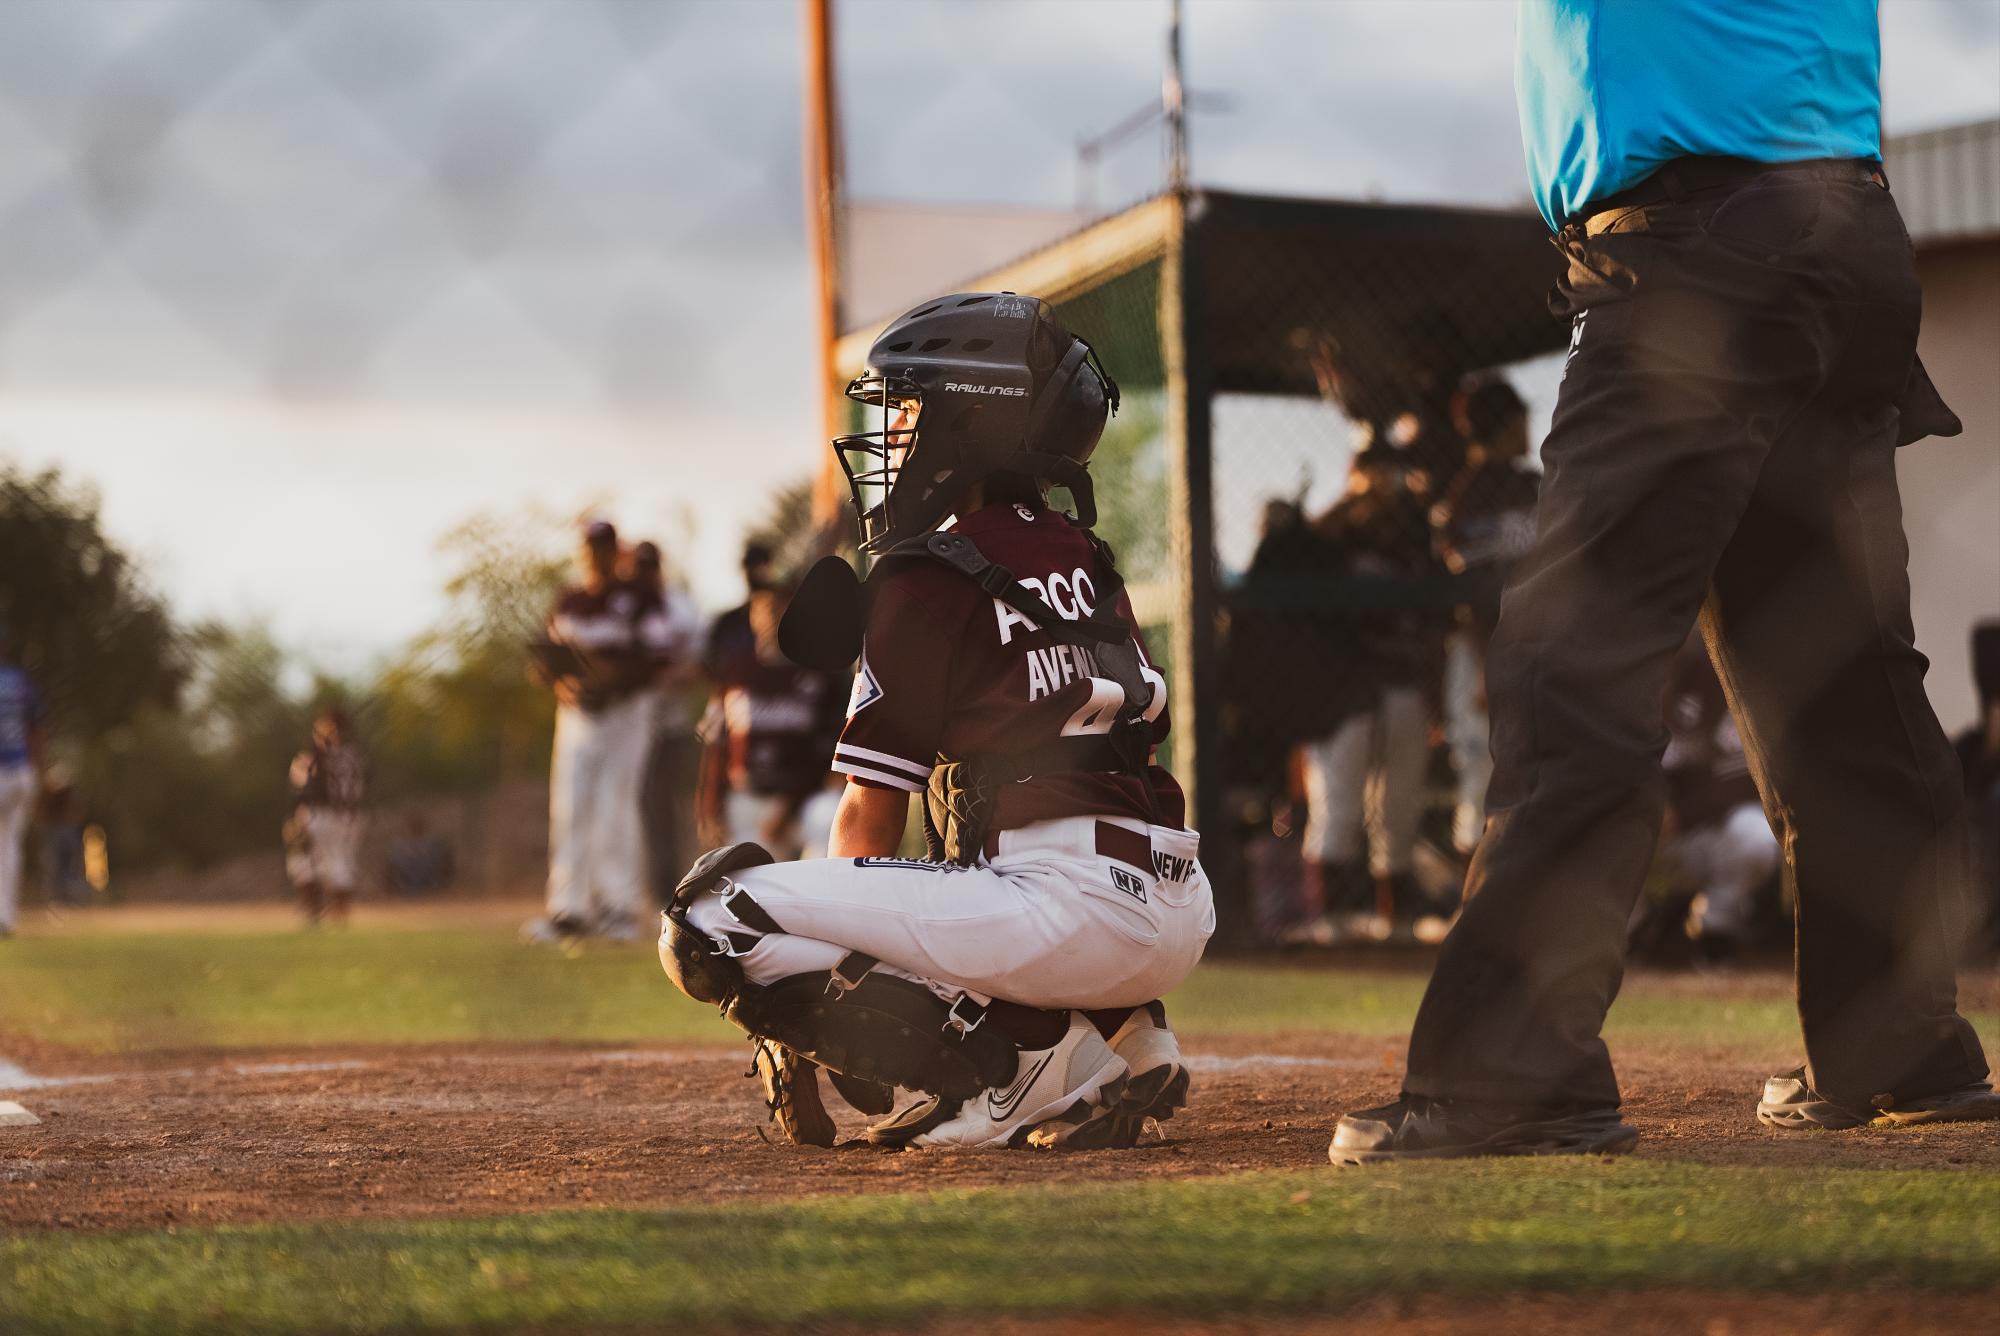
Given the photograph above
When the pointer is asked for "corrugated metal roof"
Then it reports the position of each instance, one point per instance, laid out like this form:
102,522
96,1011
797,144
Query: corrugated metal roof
1947,182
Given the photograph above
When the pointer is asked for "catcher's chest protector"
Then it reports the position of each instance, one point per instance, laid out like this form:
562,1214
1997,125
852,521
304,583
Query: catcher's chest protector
958,802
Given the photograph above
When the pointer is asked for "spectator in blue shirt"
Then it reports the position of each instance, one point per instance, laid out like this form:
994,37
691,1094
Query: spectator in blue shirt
1742,368
21,724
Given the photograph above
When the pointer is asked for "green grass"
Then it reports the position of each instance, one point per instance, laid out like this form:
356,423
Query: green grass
112,993
1267,1242
386,985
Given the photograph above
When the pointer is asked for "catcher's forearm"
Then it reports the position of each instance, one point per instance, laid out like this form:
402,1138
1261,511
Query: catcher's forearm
869,823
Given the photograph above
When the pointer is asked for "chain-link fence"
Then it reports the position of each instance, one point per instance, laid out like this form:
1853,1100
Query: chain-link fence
1371,478
1323,465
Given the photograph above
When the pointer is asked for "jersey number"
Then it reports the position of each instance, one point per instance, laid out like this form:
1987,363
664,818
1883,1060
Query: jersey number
1107,698
1097,714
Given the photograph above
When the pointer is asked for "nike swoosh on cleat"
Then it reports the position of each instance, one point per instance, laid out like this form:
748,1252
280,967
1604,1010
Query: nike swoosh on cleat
1002,1104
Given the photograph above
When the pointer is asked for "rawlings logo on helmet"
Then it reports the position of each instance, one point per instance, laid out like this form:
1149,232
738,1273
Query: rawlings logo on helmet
986,389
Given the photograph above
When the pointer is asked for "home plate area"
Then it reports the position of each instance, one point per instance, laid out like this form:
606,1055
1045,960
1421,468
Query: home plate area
479,1129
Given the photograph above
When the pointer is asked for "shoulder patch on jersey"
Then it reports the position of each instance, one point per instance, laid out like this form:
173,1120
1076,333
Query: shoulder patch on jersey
866,690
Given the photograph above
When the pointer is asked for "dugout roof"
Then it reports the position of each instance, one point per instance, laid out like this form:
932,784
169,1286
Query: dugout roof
1386,285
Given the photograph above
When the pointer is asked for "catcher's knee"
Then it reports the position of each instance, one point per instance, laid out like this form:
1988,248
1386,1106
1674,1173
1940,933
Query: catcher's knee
880,1028
699,964
714,867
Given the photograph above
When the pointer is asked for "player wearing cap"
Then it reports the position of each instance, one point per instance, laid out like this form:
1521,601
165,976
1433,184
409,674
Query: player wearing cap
330,780
599,658
1011,976
769,733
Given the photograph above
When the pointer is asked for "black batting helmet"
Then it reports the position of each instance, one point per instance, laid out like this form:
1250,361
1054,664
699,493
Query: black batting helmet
986,383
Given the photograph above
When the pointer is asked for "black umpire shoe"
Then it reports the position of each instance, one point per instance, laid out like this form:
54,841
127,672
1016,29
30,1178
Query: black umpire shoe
1792,1105
1417,1127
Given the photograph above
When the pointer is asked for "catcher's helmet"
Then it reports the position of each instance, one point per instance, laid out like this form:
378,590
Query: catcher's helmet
985,383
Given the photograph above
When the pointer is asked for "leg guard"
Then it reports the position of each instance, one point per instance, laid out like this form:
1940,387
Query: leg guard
689,958
882,1029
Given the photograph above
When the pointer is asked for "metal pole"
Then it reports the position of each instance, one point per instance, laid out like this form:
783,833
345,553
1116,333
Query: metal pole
1174,102
1196,689
822,159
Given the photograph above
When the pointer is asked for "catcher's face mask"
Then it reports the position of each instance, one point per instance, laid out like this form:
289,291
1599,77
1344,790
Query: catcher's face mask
875,460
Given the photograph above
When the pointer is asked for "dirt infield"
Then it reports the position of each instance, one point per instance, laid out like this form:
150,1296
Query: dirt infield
202,1138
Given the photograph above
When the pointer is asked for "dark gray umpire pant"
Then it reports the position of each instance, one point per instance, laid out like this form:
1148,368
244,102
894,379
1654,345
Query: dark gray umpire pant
1743,369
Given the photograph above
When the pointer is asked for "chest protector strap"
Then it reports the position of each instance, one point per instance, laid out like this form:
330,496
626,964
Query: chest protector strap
958,806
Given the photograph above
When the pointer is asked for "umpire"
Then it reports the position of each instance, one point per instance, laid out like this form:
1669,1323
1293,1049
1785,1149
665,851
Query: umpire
1742,369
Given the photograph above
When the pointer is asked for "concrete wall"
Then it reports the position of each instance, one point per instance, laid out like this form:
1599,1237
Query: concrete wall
1951,488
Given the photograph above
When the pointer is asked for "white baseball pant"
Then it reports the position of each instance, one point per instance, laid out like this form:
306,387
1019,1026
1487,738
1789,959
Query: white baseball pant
1469,732
597,835
1728,861
747,818
17,800
1048,921
1369,769
334,846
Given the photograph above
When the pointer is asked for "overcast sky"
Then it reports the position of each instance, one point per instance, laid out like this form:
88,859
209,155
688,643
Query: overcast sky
298,286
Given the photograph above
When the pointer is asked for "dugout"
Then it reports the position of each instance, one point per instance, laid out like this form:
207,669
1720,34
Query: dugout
1257,339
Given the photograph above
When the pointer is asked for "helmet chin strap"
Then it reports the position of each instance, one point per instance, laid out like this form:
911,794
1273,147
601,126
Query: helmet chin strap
1062,471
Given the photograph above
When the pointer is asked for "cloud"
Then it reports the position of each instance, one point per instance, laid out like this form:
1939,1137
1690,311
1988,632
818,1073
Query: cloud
590,210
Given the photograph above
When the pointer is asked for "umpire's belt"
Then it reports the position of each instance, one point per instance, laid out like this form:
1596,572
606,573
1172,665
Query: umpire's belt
1127,846
1689,176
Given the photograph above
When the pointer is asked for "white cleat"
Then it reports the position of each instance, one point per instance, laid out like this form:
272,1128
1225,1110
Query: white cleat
1159,1083
1156,1087
1074,1084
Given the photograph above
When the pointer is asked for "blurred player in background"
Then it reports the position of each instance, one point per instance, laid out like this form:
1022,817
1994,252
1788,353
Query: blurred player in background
1716,836
1365,781
769,735
21,738
331,780
670,628
60,815
600,667
1483,524
1978,750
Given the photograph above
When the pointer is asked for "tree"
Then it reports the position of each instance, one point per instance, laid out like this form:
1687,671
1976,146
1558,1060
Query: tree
97,641
459,709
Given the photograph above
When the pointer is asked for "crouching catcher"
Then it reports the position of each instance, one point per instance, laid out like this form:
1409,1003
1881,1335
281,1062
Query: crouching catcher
1011,976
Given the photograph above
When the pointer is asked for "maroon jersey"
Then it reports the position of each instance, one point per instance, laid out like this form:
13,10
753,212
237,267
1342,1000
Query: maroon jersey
775,723
949,672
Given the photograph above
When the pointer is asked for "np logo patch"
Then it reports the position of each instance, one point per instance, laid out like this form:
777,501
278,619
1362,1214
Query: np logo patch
1129,883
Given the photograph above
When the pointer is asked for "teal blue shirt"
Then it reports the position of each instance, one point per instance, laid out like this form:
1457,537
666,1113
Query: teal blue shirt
1612,89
